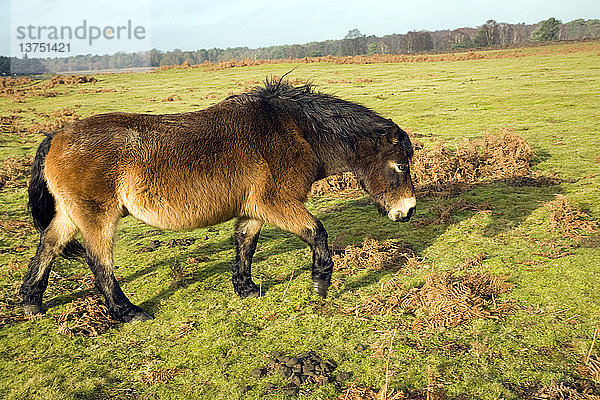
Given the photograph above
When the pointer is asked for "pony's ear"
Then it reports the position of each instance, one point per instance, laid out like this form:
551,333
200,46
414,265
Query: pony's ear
391,135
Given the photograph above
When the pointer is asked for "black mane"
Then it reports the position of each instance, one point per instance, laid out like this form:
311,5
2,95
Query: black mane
328,117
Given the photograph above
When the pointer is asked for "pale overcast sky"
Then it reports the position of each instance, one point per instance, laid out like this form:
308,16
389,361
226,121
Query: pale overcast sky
193,24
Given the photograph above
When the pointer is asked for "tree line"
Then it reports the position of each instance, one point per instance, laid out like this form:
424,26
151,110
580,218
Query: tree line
490,34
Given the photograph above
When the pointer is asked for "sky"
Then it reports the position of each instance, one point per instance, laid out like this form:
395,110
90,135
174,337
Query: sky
191,25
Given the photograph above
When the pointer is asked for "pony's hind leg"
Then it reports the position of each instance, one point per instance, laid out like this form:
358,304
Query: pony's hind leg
98,235
52,241
246,237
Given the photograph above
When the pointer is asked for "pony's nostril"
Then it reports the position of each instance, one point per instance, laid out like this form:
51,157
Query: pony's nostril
411,212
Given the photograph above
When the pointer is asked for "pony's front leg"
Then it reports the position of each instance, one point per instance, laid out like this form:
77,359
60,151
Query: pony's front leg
293,217
246,237
322,266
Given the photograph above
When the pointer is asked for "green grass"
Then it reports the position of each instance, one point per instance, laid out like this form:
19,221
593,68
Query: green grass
550,100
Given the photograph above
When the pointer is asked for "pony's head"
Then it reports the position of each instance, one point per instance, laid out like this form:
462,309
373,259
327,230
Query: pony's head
384,173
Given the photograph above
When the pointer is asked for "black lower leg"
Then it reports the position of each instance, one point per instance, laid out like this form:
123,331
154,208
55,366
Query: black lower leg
246,238
322,264
36,281
117,303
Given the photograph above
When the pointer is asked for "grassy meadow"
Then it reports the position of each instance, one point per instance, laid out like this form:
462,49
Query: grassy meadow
206,340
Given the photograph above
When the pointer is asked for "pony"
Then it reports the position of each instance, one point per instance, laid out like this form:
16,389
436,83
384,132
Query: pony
253,157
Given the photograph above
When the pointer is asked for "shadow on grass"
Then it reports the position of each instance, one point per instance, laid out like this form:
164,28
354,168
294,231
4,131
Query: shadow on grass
356,219
510,205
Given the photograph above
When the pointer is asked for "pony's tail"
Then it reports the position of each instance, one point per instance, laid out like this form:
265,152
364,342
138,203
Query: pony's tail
41,202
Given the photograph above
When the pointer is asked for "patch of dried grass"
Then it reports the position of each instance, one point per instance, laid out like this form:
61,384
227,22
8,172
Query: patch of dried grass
153,375
366,393
499,156
444,212
562,391
20,88
571,221
15,171
372,255
87,316
444,301
55,121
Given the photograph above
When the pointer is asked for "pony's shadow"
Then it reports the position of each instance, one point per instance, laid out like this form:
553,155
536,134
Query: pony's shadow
510,206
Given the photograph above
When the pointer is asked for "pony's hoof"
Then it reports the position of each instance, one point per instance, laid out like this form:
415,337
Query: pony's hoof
320,288
31,309
248,291
134,315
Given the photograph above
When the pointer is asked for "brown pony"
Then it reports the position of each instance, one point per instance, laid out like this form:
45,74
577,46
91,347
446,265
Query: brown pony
252,157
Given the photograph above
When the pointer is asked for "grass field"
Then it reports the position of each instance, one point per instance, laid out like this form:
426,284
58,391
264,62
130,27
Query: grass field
204,341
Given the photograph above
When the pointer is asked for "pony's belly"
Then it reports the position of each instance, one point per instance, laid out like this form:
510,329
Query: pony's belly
164,214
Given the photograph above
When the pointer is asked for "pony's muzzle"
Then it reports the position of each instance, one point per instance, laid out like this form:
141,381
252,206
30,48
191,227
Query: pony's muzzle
404,210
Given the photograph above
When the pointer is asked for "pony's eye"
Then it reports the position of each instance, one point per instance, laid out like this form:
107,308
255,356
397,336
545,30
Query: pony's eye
396,167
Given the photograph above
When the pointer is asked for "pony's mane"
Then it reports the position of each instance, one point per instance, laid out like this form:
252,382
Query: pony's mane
327,116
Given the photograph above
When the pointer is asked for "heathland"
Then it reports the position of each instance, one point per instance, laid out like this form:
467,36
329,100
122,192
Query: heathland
490,291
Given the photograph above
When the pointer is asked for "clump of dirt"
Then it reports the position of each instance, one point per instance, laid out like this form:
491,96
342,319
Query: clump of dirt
86,316
571,221
306,368
172,97
15,171
443,301
153,375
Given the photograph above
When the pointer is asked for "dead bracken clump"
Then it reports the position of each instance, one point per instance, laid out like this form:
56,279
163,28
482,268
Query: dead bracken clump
570,220
562,391
502,156
55,121
443,301
152,375
371,255
343,183
15,171
87,316
20,88
58,80
499,156
366,393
